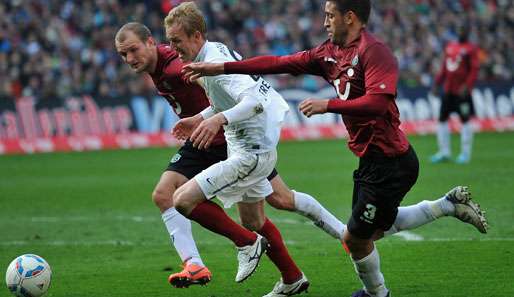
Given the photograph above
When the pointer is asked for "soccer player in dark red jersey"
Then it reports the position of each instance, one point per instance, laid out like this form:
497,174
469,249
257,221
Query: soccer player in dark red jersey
458,75
139,50
364,74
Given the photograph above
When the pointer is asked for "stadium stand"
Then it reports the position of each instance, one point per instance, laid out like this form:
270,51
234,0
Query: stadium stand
60,48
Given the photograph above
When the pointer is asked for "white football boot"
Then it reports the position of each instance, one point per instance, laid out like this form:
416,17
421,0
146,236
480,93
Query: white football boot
249,257
467,210
281,289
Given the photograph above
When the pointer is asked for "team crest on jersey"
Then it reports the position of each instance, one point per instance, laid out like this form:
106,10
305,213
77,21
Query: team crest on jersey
175,158
258,109
355,60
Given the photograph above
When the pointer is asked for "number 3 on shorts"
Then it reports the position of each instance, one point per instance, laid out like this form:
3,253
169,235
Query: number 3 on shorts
369,213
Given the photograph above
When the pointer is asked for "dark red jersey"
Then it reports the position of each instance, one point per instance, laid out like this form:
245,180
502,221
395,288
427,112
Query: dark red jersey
364,67
459,67
187,99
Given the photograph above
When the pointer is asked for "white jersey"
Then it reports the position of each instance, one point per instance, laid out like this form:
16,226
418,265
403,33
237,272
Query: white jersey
261,132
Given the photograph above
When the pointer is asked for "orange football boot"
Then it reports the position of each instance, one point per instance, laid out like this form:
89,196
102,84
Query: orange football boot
192,274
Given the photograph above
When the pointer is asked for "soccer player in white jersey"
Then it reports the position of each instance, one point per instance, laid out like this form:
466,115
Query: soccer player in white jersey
252,113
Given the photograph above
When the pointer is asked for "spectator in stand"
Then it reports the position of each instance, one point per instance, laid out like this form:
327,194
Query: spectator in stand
68,43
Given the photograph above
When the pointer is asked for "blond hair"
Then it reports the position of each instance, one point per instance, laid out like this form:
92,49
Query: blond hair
189,17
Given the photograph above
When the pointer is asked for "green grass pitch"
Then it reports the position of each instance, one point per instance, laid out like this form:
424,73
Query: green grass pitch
91,216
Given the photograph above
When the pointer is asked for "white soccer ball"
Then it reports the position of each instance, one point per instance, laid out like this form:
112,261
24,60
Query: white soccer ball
28,276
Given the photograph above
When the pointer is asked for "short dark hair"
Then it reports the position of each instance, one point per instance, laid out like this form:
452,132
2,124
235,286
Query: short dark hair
361,8
141,31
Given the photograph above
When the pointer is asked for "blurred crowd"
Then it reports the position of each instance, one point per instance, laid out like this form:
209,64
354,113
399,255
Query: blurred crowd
60,48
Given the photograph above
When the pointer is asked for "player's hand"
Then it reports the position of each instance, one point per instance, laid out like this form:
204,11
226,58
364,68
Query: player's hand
194,71
185,127
313,106
206,131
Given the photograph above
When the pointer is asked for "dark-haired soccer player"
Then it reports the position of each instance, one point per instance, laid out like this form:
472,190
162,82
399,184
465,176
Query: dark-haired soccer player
458,75
139,50
364,73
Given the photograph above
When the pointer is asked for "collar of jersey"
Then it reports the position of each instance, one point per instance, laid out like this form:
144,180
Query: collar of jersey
201,53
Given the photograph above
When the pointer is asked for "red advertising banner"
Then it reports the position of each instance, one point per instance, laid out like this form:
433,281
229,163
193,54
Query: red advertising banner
80,123
141,140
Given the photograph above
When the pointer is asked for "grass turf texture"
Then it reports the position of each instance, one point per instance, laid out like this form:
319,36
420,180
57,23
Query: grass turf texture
91,217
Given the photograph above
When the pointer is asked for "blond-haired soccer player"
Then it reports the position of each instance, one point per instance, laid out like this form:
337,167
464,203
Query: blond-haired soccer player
252,113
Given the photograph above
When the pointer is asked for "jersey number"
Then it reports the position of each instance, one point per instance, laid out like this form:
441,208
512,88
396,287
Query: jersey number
344,96
174,103
370,211
239,58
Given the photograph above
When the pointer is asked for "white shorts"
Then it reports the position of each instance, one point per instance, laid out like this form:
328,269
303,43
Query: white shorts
240,178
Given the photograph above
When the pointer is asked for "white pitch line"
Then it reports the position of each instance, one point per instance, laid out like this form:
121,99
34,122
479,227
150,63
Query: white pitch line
406,235
207,242
136,219
409,236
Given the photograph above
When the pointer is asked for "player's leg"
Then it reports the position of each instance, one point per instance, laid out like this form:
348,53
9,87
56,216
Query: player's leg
456,202
253,218
191,200
380,183
293,281
179,227
443,131
179,230
184,165
305,205
192,203
358,238
466,111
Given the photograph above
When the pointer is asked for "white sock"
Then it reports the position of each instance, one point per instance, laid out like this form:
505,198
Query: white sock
309,207
179,228
368,269
413,216
443,138
466,139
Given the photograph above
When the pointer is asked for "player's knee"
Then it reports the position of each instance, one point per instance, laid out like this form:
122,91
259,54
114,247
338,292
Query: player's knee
162,199
354,244
182,202
281,200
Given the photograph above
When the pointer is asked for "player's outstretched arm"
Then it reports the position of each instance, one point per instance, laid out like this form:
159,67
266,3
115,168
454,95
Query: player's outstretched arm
194,71
311,107
295,64
367,105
